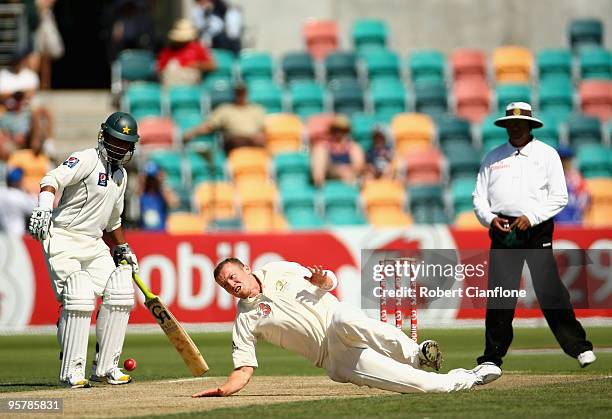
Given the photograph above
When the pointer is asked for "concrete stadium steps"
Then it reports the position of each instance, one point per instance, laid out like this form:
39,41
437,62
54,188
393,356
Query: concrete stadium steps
77,115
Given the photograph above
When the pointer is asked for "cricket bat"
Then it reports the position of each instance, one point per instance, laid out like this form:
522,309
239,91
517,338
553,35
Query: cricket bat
173,329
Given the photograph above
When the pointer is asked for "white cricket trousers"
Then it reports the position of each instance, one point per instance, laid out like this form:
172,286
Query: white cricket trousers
66,253
368,352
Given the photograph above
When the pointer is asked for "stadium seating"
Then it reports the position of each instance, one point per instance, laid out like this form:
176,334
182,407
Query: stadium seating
215,200
142,100
255,65
362,126
220,92
340,201
267,94
136,65
600,211
224,61
596,98
258,200
347,96
292,169
388,98
452,129
556,96
300,209
583,129
594,161
185,121
461,190
321,37
585,33
467,220
511,92
249,164
491,135
369,34
595,63
549,133
155,133
184,99
185,223
472,99
340,64
384,202
283,132
307,98
427,204
426,65
381,64
512,64
317,126
412,130
554,64
463,160
423,166
297,66
34,167
430,97
468,64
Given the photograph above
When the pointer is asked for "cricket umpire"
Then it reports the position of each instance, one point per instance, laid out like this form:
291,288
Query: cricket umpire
519,189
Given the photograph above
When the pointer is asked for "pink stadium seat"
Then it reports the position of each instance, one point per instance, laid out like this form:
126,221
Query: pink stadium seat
596,98
317,126
321,37
468,64
156,132
472,99
423,166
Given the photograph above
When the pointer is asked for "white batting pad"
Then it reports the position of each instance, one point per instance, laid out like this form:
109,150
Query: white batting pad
113,317
73,327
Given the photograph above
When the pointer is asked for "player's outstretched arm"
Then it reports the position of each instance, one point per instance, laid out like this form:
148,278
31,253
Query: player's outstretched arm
236,381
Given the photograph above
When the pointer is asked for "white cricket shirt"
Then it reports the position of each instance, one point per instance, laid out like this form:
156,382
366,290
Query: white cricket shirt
527,181
91,199
290,313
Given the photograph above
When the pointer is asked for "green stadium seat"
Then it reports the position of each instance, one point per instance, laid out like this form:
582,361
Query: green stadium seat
463,160
556,96
347,96
340,64
427,204
369,34
186,121
595,63
594,161
184,99
549,133
307,98
427,65
453,129
299,206
461,190
430,97
143,99
267,94
297,66
583,129
136,65
170,161
585,33
292,170
511,92
220,93
341,204
388,97
256,66
362,126
381,64
224,60
491,134
554,64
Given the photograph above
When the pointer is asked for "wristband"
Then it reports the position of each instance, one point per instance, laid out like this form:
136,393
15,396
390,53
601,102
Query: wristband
46,199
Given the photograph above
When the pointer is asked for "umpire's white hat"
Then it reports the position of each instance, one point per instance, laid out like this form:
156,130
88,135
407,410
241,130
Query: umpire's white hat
519,110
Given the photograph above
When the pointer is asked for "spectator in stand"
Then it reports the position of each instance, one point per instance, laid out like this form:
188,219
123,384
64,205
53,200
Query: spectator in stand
338,156
24,118
156,198
131,27
578,194
220,25
379,157
184,60
16,205
241,122
34,163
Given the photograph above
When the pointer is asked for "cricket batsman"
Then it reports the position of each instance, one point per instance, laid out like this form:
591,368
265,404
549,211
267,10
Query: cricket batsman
290,306
91,184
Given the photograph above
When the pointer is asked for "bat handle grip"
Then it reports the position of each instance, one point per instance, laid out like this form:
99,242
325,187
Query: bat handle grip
147,293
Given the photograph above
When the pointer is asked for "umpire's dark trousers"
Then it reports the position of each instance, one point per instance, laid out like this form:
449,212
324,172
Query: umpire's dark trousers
506,259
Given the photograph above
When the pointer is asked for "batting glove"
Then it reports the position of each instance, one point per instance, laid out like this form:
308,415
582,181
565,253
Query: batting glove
40,222
124,252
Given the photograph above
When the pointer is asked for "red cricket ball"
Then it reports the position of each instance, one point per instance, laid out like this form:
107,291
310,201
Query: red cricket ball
129,364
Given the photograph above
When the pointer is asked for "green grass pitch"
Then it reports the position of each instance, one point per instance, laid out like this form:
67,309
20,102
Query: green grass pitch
30,362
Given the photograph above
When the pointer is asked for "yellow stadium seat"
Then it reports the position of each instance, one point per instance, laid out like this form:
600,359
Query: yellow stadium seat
185,223
467,220
249,162
283,132
258,205
215,200
412,130
383,202
600,211
34,167
512,64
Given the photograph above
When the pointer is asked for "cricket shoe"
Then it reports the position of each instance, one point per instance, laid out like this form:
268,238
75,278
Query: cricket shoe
586,358
430,354
72,382
114,376
486,373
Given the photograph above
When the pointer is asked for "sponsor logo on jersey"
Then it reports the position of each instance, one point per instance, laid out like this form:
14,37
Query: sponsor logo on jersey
102,179
71,162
